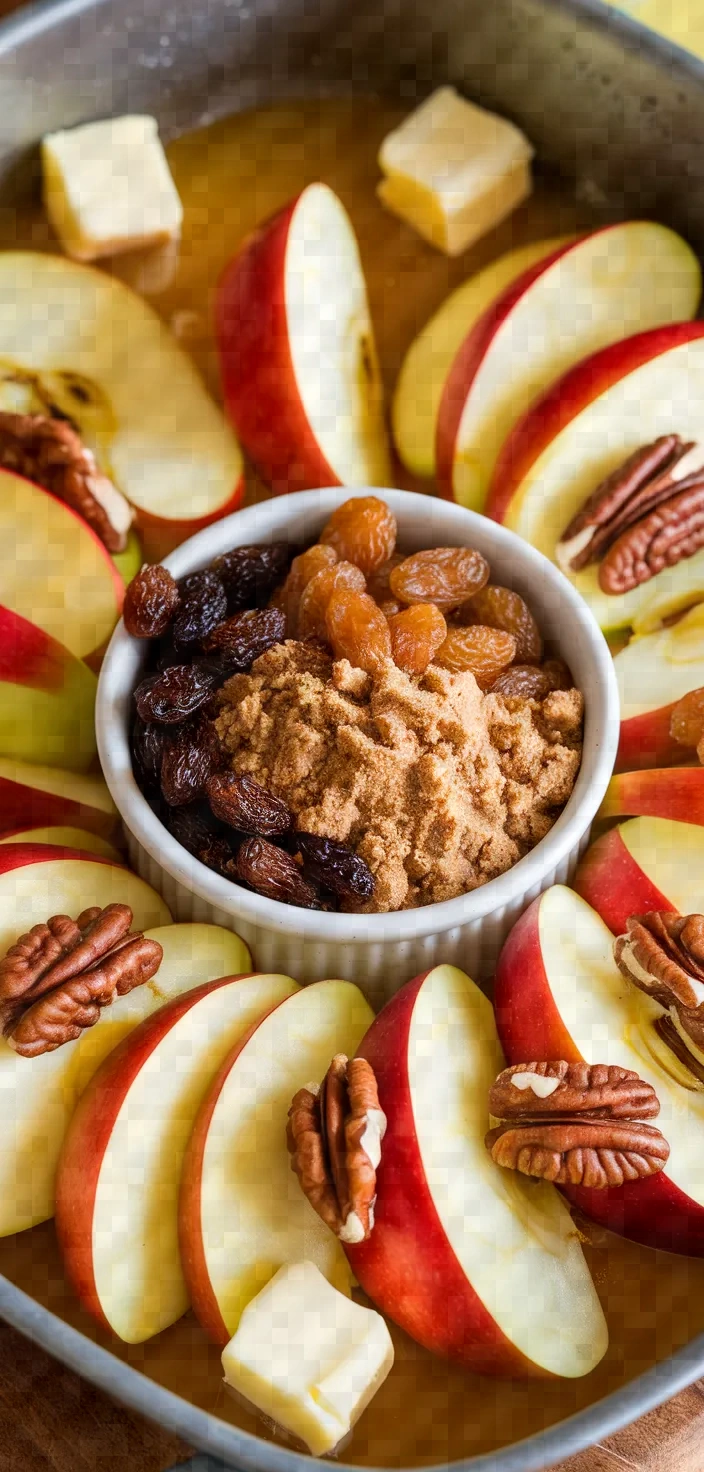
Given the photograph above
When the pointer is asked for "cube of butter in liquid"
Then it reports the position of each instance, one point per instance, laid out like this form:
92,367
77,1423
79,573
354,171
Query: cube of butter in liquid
108,188
453,170
308,1357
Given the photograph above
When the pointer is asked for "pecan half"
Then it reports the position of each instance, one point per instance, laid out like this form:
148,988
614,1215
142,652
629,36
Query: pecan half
50,453
663,954
334,1136
576,1124
56,979
641,518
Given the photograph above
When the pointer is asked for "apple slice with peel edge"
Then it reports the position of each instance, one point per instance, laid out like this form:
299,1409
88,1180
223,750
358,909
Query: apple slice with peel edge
32,795
657,397
643,864
653,673
47,698
41,1093
472,1261
76,338
118,1180
54,571
242,1213
299,367
38,880
559,994
656,792
620,280
65,837
428,361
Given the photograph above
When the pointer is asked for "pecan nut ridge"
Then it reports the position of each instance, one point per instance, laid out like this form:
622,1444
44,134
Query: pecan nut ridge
662,953
50,453
334,1136
56,979
575,1124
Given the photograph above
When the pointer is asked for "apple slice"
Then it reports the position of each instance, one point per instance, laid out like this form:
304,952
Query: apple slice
47,698
65,837
603,287
653,673
131,559
658,396
428,361
559,994
40,1094
243,1214
75,338
472,1261
643,864
118,1181
33,795
53,569
658,792
300,373
38,880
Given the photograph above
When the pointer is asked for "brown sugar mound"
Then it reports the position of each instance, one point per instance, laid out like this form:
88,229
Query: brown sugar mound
437,786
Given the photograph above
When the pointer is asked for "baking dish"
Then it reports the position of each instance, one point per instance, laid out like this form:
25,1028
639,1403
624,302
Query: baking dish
379,952
614,108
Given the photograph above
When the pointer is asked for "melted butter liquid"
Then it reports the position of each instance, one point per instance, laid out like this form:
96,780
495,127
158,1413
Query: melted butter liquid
231,177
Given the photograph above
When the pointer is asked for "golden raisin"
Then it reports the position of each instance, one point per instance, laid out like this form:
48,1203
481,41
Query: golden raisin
559,675
301,571
416,636
357,630
501,608
443,575
363,531
484,651
687,719
378,584
524,682
318,592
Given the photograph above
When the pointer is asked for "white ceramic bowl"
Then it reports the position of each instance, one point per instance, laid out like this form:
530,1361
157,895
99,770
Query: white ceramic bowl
379,952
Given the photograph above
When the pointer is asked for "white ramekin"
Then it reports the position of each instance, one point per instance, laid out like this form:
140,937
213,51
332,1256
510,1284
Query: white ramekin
380,952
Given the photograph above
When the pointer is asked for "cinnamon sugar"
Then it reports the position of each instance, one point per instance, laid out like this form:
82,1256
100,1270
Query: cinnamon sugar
437,786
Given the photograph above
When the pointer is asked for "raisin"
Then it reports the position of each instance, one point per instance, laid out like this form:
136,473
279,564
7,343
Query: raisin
166,654
486,652
335,867
687,719
194,827
317,594
244,804
358,631
559,675
501,608
273,873
378,584
363,531
447,576
176,694
416,636
523,682
249,574
203,605
151,601
303,568
191,756
242,638
147,752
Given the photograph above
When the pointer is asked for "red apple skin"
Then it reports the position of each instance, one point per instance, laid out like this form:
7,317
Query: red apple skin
645,741
25,807
29,656
466,363
18,855
655,1211
567,397
159,536
88,1137
259,383
611,881
658,792
407,1266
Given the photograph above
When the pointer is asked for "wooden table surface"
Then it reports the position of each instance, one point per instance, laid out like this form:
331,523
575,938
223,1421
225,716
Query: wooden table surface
52,1421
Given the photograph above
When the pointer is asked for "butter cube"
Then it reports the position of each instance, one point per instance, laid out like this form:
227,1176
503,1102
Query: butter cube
453,170
108,188
308,1357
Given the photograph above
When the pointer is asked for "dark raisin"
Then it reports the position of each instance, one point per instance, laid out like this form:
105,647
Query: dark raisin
244,637
191,756
272,872
249,574
246,805
174,695
194,827
150,603
147,752
203,606
335,866
167,654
